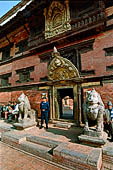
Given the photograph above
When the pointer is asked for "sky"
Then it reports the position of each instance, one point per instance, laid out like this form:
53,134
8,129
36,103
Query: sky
6,5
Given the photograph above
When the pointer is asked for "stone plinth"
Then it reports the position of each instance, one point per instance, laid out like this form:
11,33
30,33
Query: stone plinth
77,157
25,124
63,125
107,156
92,132
93,138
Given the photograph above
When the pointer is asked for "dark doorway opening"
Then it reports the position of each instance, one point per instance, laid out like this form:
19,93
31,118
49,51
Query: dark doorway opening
65,101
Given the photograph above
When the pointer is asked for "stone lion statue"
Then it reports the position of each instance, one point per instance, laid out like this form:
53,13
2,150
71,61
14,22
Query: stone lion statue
25,111
93,110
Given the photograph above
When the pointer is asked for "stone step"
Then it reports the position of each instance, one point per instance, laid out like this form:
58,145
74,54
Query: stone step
12,138
4,127
92,140
78,157
63,125
43,141
70,155
36,149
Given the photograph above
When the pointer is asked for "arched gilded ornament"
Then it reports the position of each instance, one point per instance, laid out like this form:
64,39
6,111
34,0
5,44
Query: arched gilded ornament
57,18
55,5
61,68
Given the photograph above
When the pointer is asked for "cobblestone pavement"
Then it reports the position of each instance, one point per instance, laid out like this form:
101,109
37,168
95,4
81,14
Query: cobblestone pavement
11,159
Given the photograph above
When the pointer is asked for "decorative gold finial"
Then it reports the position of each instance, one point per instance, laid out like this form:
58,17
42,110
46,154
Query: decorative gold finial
55,52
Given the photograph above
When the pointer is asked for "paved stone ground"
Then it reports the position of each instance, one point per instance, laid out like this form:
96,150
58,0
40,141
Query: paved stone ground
60,134
11,159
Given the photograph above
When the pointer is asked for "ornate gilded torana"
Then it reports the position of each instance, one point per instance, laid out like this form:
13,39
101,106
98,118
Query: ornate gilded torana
61,68
57,18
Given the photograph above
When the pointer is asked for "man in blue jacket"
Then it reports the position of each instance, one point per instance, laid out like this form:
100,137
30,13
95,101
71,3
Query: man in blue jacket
44,106
109,119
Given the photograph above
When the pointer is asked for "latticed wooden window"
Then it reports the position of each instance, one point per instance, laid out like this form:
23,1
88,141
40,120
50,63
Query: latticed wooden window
24,75
4,80
23,46
5,53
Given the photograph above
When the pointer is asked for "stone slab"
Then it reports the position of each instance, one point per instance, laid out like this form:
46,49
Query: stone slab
92,132
107,156
93,141
13,138
108,150
36,149
24,125
62,125
43,141
5,127
74,157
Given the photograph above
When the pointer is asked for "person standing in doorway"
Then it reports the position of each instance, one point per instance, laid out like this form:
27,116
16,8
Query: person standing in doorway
44,106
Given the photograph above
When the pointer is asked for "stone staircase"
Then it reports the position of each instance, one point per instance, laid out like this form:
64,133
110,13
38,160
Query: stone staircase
40,146
68,154
57,148
35,145
37,149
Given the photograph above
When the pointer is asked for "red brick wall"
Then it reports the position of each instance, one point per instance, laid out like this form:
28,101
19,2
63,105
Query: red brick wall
40,69
106,92
96,59
34,97
5,97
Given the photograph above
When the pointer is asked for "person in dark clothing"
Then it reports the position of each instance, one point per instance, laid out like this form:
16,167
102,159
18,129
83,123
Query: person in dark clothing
44,106
108,125
5,111
1,106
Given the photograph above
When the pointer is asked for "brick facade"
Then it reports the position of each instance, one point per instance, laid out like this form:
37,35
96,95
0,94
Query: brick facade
92,50
106,92
96,59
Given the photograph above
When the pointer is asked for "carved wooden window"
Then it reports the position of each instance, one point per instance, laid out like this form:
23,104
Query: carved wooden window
24,75
5,53
82,8
4,80
88,72
109,3
109,68
109,51
87,13
37,26
23,46
74,56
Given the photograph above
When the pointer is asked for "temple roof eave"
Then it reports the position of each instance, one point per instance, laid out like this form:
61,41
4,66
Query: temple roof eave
4,20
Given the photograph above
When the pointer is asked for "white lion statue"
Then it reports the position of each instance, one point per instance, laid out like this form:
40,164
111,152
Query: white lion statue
25,111
93,110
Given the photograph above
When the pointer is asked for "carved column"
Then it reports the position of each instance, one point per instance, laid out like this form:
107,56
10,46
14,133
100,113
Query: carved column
67,14
67,10
51,113
46,21
53,101
56,96
79,104
75,104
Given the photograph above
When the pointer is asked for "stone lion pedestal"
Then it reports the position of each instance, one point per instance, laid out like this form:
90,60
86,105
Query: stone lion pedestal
24,124
93,111
93,138
27,116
